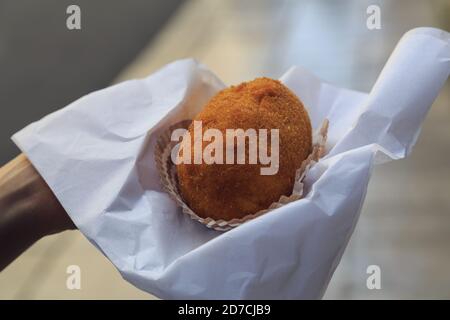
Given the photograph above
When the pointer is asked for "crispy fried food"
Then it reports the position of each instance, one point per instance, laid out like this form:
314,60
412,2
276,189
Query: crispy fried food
227,191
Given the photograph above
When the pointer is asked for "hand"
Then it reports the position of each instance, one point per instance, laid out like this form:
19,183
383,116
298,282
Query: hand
28,209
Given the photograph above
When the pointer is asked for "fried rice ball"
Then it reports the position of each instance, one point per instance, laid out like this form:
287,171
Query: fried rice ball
227,191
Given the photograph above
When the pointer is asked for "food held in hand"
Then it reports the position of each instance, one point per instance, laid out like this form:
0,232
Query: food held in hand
244,149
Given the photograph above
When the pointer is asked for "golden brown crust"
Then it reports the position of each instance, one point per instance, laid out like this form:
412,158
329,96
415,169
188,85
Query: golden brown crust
226,191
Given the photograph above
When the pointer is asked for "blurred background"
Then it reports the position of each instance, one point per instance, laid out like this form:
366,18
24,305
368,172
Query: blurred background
405,223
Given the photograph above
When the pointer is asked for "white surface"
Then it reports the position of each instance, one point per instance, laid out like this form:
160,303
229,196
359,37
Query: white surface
96,155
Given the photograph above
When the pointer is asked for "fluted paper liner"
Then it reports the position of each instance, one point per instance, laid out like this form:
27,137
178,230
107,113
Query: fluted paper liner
168,174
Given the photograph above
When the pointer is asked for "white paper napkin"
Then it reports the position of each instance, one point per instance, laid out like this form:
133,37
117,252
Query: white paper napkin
97,156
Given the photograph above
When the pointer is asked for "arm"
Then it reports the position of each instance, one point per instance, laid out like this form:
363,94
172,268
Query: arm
28,209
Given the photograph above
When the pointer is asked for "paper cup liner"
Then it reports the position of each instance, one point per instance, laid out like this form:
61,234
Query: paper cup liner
168,174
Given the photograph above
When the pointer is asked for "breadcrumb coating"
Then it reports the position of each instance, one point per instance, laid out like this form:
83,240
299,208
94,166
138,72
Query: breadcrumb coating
227,191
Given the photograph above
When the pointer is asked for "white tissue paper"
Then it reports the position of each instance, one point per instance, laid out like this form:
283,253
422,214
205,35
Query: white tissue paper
97,156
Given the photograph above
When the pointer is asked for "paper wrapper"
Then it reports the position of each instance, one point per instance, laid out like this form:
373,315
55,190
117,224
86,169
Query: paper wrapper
97,155
169,179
